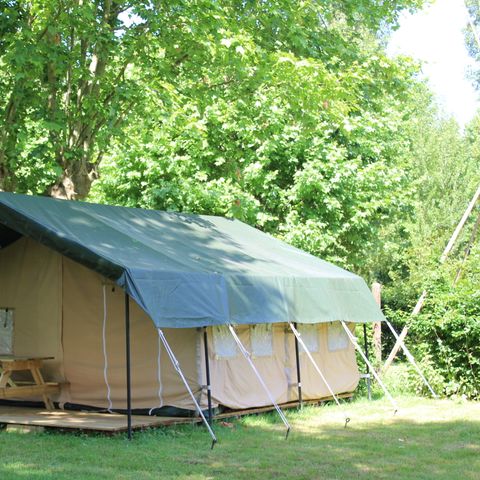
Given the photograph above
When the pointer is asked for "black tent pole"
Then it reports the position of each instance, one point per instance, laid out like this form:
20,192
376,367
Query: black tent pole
365,340
127,355
365,343
207,370
299,380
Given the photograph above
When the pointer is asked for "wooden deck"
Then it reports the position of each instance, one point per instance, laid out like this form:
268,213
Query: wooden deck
283,406
99,422
115,422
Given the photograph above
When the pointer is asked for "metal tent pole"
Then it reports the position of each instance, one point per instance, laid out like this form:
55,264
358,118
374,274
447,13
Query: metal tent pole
176,365
207,371
411,359
248,357
317,368
365,343
299,380
377,378
127,355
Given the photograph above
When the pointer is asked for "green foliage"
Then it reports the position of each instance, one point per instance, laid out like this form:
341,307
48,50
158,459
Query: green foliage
443,174
74,74
286,115
445,336
450,333
310,150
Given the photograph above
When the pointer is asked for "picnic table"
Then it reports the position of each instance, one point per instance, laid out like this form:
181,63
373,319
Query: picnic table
9,389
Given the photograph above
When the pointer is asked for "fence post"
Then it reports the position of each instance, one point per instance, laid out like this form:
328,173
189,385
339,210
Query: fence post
377,326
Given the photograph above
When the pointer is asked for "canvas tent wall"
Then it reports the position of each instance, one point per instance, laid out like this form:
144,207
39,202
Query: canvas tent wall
58,312
184,272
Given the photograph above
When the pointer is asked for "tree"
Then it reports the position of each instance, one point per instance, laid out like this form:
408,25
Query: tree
311,148
65,90
71,70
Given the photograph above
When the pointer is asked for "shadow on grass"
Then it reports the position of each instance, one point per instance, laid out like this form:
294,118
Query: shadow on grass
254,447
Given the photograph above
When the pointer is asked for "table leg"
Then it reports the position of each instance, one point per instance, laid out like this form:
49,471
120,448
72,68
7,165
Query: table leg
9,379
5,378
38,378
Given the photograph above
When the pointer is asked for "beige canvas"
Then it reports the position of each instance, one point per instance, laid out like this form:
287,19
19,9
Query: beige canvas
30,282
235,385
59,312
83,312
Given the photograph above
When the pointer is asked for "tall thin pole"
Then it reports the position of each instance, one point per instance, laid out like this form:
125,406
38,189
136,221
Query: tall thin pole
207,371
248,358
316,367
365,343
377,326
365,359
176,366
127,355
443,258
299,379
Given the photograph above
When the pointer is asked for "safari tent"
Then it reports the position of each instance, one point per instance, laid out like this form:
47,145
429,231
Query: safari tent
77,280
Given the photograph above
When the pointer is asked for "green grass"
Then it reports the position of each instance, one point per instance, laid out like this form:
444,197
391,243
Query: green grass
438,440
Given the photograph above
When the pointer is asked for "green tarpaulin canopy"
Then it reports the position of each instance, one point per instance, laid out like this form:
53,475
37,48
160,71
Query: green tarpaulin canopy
191,270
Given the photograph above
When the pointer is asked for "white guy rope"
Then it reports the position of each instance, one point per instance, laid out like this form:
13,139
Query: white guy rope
317,368
370,366
104,344
248,356
410,358
176,365
159,378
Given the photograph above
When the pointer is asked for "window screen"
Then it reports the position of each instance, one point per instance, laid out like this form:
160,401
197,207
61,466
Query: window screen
261,339
337,337
6,331
223,342
309,335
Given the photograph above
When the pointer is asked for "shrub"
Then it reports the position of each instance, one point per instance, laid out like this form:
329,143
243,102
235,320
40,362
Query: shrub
445,336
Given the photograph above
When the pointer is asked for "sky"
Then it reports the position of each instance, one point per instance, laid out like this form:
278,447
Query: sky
435,37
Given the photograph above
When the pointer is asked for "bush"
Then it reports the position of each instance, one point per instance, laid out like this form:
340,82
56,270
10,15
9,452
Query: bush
445,336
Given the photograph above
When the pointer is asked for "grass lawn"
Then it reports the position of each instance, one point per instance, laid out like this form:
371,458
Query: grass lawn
427,439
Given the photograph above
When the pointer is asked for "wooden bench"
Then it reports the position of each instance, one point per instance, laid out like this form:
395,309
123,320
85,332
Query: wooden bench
39,388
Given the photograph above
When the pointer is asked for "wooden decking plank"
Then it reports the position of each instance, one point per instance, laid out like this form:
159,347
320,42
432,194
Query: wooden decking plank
83,420
115,422
268,408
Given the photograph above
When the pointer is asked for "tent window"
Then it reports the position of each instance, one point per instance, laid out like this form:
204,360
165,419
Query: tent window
337,337
6,331
309,334
223,342
261,339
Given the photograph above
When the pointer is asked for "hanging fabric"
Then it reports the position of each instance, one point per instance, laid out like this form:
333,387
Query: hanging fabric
159,377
